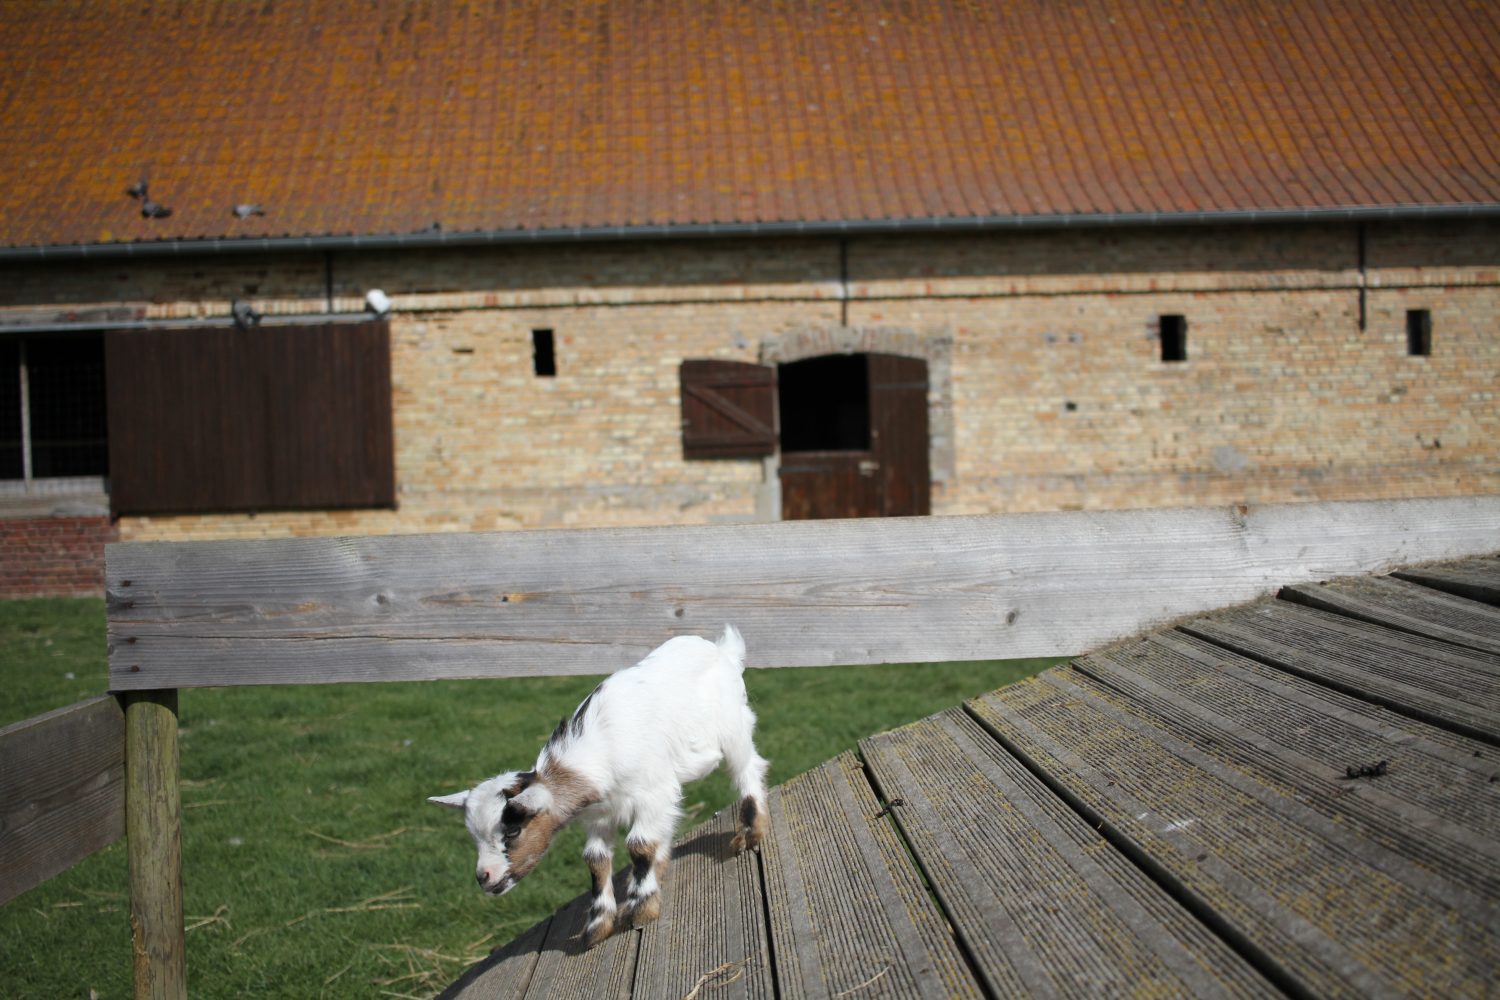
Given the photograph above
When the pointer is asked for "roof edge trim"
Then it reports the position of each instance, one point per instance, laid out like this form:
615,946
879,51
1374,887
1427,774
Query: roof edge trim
718,230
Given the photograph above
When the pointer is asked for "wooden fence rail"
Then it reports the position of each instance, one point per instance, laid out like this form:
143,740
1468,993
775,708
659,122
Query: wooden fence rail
62,791
589,601
805,593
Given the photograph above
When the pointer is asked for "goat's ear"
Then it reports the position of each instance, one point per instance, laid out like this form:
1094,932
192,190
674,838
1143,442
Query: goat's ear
533,798
522,782
455,801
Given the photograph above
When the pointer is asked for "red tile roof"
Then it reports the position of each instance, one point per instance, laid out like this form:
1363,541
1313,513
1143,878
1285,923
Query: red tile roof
384,117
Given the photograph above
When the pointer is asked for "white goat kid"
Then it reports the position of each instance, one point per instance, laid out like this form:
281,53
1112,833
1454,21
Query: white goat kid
621,760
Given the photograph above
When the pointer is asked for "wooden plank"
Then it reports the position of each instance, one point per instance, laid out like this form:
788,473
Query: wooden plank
1436,804
566,969
847,910
62,791
1406,607
1322,910
870,591
712,934
1475,579
505,974
153,830
1043,904
1448,686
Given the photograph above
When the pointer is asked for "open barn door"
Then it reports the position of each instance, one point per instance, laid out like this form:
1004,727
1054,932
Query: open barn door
854,437
852,429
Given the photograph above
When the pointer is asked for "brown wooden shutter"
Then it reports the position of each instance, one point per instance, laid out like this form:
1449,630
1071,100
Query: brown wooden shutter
728,409
277,417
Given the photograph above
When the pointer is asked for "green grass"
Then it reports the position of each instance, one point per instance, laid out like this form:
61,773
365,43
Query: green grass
313,867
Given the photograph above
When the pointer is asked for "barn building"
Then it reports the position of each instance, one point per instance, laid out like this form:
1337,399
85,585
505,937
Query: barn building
322,268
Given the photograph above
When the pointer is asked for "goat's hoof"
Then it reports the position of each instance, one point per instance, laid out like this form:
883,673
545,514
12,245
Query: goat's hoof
749,837
752,825
645,911
599,929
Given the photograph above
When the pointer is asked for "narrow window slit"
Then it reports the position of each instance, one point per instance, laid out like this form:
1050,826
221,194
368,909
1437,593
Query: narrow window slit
1173,333
543,360
1418,332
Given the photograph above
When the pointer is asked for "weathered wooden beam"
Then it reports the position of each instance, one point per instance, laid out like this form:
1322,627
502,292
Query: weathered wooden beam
805,593
153,825
62,791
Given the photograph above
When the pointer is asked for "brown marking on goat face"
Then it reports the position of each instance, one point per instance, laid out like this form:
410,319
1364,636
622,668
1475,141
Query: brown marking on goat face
570,793
753,825
531,843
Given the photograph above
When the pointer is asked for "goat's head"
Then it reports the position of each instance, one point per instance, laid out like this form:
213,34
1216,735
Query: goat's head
512,823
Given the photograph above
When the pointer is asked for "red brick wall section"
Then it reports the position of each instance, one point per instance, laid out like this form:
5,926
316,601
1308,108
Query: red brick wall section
53,556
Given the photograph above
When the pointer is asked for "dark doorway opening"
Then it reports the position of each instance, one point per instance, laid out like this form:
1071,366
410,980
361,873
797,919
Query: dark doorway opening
825,404
52,414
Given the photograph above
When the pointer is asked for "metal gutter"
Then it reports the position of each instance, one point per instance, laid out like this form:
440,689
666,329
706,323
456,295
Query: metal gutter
196,323
715,230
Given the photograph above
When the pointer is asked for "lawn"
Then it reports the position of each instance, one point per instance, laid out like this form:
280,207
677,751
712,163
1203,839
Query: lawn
313,867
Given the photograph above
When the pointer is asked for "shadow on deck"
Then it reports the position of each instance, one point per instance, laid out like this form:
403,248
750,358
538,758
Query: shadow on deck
1300,796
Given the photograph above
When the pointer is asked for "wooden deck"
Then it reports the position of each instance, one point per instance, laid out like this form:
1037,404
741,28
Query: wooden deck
1173,815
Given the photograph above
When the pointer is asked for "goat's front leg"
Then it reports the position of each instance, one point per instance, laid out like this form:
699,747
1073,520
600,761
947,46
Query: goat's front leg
648,869
649,844
599,853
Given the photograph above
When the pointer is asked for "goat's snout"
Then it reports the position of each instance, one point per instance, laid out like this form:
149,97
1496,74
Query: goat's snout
492,883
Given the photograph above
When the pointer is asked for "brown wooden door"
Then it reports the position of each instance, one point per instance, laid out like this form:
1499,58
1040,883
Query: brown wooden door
889,478
819,484
271,418
898,433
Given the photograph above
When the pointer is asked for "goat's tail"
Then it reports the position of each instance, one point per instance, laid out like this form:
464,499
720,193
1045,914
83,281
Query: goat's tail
732,647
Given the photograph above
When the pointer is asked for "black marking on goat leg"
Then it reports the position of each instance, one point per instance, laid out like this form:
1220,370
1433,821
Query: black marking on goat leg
642,858
748,811
599,871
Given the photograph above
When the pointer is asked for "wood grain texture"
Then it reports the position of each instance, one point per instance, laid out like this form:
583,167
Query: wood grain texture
712,933
62,791
846,907
804,594
153,828
1407,607
505,974
1012,865
1330,912
1436,804
1446,685
1476,579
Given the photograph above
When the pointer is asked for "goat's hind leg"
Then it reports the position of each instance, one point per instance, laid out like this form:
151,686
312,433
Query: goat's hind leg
599,853
747,769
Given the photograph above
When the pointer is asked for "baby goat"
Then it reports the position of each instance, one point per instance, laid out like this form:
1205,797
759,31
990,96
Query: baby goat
622,759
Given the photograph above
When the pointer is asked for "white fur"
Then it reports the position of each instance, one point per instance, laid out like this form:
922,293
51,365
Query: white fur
643,733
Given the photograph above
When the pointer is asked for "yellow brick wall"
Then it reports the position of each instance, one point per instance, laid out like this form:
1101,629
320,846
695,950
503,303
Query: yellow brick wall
1049,391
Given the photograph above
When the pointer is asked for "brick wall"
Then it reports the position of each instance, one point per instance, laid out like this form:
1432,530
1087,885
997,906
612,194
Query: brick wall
53,556
1048,392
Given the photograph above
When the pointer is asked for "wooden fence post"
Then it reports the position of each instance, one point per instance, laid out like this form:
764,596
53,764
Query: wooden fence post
153,830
